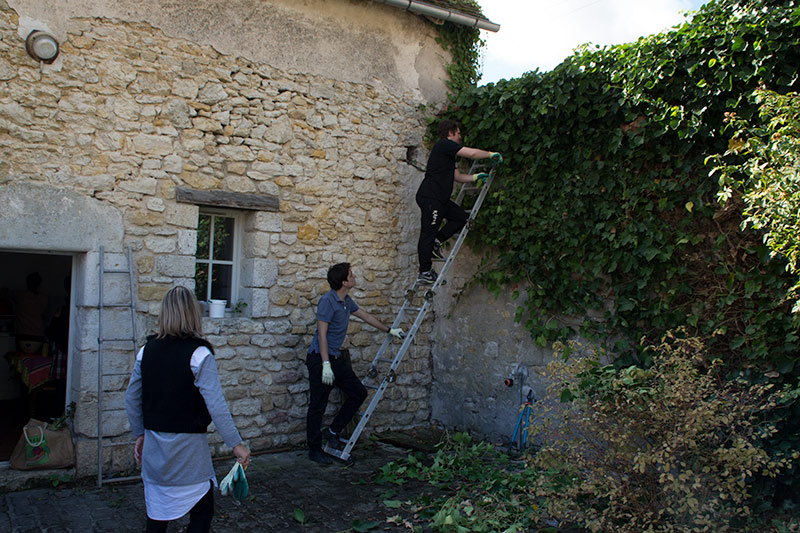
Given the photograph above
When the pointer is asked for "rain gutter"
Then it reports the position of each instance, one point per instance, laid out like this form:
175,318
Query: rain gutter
441,13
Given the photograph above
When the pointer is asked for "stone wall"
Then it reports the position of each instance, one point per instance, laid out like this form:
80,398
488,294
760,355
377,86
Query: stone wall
129,113
476,345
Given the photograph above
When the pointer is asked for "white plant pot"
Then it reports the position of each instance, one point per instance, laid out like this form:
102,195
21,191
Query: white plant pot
216,308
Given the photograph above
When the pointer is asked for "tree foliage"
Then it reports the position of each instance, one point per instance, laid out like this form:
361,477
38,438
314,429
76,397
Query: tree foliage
604,207
767,175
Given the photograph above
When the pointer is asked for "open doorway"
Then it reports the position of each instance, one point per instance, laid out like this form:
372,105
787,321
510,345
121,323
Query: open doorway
34,340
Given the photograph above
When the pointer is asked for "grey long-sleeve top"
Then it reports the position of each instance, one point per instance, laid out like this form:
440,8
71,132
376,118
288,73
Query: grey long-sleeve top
174,459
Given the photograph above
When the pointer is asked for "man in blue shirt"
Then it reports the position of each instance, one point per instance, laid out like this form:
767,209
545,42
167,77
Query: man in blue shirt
433,195
329,364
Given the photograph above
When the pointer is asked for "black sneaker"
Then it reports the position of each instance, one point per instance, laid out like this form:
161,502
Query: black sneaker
318,456
427,278
332,439
438,253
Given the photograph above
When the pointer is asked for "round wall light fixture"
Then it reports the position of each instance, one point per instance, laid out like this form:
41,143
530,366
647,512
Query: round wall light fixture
42,46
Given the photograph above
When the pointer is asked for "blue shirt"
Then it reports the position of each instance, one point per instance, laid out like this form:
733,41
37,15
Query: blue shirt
336,312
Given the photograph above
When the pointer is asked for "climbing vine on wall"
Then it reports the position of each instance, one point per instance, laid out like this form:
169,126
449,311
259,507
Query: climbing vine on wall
465,46
604,207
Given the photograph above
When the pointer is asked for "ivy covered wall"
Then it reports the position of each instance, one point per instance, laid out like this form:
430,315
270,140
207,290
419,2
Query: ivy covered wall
604,222
605,203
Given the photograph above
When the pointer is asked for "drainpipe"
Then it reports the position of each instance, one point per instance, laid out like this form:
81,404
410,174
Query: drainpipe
442,13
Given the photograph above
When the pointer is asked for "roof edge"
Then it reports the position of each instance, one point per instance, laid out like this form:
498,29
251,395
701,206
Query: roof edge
443,13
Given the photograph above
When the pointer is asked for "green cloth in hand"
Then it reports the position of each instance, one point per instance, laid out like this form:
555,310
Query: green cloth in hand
235,483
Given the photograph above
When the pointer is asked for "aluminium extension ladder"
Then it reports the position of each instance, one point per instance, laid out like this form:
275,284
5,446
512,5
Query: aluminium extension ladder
408,307
106,280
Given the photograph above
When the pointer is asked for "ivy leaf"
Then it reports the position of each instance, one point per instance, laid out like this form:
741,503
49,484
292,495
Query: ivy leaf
567,396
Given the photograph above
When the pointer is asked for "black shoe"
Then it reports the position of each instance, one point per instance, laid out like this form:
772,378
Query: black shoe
438,253
428,278
332,439
318,456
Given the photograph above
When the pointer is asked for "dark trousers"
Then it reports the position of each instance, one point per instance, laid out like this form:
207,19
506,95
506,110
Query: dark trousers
199,516
348,383
433,212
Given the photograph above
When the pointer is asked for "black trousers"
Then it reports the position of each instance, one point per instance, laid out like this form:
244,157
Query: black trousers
346,380
199,516
433,212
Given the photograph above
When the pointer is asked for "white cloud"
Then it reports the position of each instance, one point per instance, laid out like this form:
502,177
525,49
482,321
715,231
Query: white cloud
540,34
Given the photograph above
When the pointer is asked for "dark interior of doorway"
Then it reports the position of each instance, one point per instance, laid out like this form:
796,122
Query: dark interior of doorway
42,358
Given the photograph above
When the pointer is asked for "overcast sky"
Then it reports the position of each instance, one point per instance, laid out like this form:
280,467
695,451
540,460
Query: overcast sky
541,33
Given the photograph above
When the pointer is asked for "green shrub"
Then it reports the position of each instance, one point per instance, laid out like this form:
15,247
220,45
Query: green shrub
674,447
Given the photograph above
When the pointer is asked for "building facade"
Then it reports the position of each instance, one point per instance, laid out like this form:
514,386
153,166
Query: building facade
237,148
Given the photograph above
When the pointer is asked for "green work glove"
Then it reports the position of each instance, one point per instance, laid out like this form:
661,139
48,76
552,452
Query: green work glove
327,373
397,333
235,483
480,179
240,486
496,158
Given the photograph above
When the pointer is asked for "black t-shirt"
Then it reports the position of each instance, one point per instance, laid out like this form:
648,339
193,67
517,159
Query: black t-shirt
438,182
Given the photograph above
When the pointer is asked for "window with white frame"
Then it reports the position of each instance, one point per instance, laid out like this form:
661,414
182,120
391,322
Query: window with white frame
217,257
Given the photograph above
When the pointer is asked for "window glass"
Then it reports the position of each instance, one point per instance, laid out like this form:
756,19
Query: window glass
223,238
202,235
221,276
201,281
216,256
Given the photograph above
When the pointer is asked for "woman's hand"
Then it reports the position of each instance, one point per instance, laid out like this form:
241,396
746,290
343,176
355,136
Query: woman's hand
242,454
137,449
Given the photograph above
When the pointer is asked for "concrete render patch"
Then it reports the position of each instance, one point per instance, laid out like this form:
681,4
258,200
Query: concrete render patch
331,498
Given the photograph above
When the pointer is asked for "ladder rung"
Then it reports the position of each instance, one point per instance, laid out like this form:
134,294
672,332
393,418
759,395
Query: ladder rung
118,479
116,306
116,271
371,386
116,444
116,340
112,374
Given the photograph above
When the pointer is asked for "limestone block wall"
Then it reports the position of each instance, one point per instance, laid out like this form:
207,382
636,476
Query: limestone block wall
129,113
477,345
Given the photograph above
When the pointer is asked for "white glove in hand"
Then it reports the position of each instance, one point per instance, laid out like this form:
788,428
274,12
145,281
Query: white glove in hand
397,333
327,373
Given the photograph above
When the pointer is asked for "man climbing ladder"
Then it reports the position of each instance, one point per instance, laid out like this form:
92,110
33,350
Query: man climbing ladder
433,195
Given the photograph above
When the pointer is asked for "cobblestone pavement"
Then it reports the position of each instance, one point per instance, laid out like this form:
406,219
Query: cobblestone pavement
332,498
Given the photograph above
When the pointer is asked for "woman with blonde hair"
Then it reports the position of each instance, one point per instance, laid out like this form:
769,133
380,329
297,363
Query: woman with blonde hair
173,395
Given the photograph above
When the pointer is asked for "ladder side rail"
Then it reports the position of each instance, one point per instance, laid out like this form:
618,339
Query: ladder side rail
463,234
101,281
398,320
376,397
133,297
